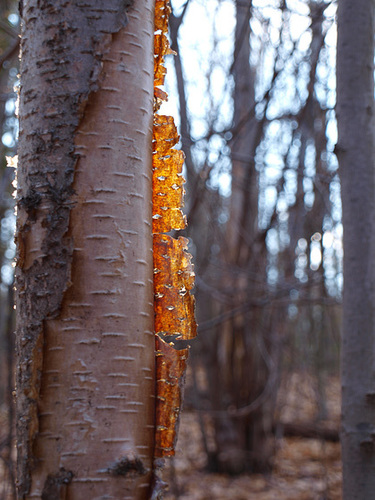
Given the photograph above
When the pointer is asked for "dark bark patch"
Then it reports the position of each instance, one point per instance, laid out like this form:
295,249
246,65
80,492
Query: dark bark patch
30,203
370,398
128,467
55,485
367,445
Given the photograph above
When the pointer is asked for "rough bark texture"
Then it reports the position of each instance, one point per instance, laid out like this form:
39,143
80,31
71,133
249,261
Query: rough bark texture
85,340
355,149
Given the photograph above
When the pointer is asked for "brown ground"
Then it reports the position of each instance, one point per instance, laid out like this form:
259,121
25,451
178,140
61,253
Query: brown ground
305,469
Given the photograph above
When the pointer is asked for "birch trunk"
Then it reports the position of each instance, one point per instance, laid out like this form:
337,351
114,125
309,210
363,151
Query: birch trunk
85,340
355,149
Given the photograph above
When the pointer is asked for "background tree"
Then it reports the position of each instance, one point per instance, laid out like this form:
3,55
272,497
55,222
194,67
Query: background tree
85,342
355,148
263,178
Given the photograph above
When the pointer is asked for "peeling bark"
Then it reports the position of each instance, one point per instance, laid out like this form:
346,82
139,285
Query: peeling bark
84,250
173,271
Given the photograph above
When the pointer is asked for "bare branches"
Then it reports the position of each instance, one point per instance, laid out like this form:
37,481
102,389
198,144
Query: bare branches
261,173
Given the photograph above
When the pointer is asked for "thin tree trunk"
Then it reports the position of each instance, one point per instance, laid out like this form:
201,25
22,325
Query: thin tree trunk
86,383
243,440
355,107
244,176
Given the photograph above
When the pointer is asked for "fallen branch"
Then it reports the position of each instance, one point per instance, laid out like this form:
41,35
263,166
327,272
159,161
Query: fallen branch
309,430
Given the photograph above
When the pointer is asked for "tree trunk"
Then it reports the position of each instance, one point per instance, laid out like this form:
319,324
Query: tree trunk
86,383
355,107
243,222
243,434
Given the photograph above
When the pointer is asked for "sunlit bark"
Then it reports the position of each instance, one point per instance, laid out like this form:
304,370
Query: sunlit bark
86,384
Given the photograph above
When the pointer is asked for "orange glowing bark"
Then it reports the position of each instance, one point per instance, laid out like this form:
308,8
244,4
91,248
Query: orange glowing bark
173,279
173,270
167,181
170,369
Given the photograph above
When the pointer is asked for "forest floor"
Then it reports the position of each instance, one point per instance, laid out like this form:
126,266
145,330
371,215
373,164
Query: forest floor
304,469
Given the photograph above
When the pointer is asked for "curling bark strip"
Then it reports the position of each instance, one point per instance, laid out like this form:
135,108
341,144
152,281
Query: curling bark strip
173,270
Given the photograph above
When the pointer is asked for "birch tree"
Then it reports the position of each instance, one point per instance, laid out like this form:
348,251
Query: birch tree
355,150
86,384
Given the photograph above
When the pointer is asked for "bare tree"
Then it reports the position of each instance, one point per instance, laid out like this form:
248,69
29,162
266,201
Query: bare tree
355,150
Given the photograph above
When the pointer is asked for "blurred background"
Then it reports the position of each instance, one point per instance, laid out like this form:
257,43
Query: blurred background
9,68
252,90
